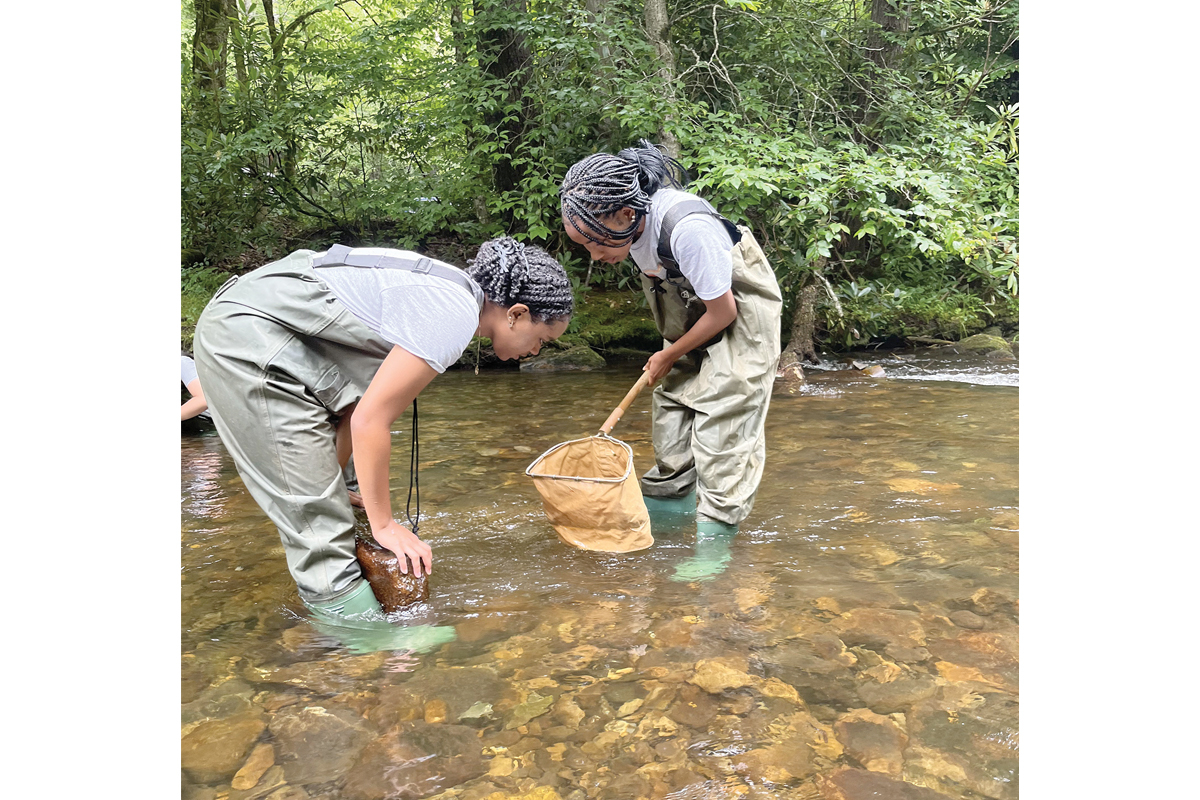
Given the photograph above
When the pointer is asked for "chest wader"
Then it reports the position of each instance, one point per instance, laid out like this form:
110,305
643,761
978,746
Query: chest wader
710,410
284,358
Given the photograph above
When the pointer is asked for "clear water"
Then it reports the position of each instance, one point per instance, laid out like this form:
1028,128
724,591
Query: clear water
862,625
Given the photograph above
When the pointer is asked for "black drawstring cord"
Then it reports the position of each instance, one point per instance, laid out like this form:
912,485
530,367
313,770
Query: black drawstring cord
413,480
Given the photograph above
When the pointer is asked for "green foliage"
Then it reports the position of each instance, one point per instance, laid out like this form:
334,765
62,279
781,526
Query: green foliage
861,156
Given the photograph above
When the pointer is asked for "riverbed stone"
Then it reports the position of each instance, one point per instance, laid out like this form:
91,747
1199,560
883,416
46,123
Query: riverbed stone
318,743
214,750
580,357
332,674
873,740
694,707
715,675
899,694
415,760
777,763
229,698
261,758
967,619
879,627
860,784
269,782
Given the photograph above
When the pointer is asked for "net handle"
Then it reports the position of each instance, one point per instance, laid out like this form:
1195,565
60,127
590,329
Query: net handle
615,416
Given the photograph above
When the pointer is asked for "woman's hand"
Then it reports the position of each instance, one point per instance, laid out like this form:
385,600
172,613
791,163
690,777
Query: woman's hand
659,365
403,542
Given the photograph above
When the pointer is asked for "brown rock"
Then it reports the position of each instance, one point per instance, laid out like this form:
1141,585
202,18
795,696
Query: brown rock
986,602
874,741
857,784
967,619
717,675
214,750
897,695
393,589
415,761
436,711
778,763
694,707
261,759
316,743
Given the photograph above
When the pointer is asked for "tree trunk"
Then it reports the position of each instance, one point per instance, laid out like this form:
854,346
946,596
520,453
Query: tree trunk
504,55
212,31
892,17
801,346
657,23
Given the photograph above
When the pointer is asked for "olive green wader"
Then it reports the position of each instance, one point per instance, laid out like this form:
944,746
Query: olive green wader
710,410
280,358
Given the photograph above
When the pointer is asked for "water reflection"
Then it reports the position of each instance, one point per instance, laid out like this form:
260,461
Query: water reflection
861,636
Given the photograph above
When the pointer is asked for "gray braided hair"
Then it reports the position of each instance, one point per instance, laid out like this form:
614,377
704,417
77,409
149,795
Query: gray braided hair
602,184
510,272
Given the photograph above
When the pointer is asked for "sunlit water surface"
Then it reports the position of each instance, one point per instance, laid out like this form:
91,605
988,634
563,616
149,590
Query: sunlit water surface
858,637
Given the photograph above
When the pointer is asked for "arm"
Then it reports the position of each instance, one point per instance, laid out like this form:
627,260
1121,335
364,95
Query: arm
719,313
196,405
399,380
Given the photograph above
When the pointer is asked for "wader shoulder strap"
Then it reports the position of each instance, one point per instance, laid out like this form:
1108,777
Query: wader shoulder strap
673,218
341,256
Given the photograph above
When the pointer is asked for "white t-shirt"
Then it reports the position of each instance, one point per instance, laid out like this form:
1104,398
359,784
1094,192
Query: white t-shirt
430,317
700,244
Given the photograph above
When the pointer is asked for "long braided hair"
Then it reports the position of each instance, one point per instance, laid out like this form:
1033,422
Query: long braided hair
510,272
602,184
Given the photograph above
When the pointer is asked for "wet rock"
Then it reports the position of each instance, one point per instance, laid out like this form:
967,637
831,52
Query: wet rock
907,655
415,761
381,567
533,707
459,688
878,627
332,674
717,675
568,712
983,343
270,781
898,694
672,633
779,763
694,707
991,652
970,741
261,759
789,380
987,602
229,698
580,357
316,743
436,711
214,750
537,793
289,793
874,741
858,784
967,619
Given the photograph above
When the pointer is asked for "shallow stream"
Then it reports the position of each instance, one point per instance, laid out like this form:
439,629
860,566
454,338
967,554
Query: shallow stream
857,638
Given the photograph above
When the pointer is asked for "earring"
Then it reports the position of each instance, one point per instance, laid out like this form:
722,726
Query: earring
510,322
477,343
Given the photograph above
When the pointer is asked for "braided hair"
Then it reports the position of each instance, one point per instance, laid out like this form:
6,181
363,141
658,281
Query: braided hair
602,184
510,272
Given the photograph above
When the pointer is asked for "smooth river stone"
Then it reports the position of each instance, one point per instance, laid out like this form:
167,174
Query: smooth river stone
394,589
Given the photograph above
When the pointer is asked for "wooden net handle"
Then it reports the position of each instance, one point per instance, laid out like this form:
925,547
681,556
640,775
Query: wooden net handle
615,416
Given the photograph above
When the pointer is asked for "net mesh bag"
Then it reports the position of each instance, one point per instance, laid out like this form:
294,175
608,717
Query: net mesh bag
591,496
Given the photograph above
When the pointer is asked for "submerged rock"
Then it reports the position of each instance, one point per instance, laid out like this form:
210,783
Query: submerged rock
214,750
858,784
580,357
414,761
316,743
873,740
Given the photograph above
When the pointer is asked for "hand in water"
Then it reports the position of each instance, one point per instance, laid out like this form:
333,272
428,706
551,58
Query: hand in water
403,542
355,499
